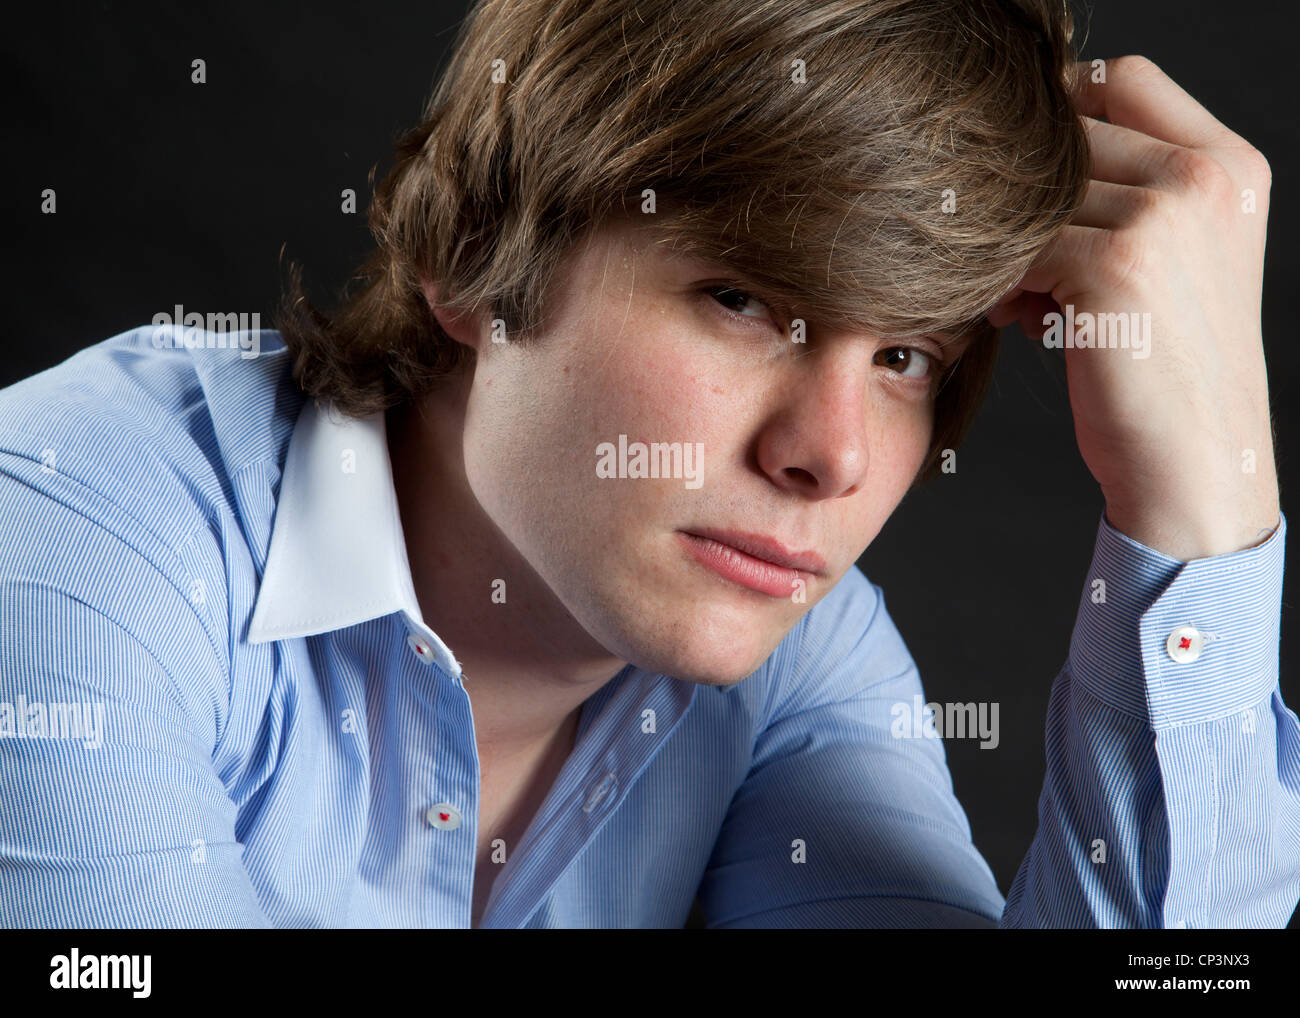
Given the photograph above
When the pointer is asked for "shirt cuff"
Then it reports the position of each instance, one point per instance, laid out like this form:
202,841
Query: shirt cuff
1179,643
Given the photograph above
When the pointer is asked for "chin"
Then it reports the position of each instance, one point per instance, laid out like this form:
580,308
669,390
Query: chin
704,662
698,638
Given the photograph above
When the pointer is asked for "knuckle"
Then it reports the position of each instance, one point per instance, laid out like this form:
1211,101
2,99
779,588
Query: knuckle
1150,203
1198,172
1259,167
1135,64
1127,258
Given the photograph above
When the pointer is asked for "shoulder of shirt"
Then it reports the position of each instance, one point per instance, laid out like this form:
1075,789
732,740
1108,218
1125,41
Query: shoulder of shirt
841,647
157,432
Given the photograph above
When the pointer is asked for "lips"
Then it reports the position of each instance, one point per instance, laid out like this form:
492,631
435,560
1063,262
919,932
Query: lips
750,560
768,549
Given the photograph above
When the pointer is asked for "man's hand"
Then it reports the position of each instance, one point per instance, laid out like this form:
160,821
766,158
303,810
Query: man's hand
1173,225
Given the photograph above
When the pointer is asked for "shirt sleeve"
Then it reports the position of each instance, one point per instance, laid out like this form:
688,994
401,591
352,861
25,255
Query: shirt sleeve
113,815
846,816
1171,795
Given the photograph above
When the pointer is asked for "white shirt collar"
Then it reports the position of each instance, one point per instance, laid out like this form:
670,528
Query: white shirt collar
337,555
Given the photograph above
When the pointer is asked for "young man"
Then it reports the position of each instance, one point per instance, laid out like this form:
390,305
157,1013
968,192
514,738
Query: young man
521,591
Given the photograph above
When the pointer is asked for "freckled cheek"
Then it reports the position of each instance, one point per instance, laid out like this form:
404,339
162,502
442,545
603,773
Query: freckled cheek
900,439
910,442
668,394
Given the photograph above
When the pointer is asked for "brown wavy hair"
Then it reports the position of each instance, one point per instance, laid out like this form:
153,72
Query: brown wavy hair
553,116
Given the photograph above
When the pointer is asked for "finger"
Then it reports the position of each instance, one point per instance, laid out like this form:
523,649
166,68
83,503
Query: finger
1077,261
1108,206
1139,95
1026,309
1036,307
1007,310
1121,155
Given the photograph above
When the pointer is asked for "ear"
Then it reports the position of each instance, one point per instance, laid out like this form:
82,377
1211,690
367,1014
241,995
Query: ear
464,329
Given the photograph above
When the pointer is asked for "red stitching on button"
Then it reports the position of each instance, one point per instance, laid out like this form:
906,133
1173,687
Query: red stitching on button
444,816
1184,644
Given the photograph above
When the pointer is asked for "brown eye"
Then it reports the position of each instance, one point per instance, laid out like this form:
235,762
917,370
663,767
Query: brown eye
906,361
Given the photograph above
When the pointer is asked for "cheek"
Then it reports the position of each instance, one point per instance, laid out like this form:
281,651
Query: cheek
536,417
650,383
901,432
902,429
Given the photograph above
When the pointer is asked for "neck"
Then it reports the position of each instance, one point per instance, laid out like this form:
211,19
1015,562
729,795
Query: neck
528,664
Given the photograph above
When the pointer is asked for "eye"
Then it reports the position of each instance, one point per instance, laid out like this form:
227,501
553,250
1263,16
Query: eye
734,299
907,361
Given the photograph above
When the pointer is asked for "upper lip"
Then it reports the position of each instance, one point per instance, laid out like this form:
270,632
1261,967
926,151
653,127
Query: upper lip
767,548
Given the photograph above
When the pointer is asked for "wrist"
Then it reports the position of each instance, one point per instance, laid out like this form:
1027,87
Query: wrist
1191,535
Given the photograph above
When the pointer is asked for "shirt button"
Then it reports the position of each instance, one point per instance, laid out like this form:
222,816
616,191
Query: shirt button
420,649
602,792
1184,644
443,816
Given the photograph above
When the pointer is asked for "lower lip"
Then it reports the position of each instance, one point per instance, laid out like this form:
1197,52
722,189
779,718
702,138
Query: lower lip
738,567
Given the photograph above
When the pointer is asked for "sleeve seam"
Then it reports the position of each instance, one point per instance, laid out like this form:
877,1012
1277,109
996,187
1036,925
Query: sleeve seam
175,687
101,525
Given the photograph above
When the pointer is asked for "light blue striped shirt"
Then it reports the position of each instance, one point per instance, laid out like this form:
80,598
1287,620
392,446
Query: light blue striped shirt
269,734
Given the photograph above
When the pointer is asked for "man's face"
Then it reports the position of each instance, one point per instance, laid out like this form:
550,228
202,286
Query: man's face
811,445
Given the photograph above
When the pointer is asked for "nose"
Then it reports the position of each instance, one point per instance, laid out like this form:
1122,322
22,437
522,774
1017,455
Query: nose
816,443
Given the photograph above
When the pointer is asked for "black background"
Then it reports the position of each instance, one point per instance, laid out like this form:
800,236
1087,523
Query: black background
171,192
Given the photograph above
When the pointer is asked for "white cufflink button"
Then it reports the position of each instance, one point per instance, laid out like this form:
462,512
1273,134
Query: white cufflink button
1185,643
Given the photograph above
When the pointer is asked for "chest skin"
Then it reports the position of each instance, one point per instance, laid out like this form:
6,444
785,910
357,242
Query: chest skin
512,788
